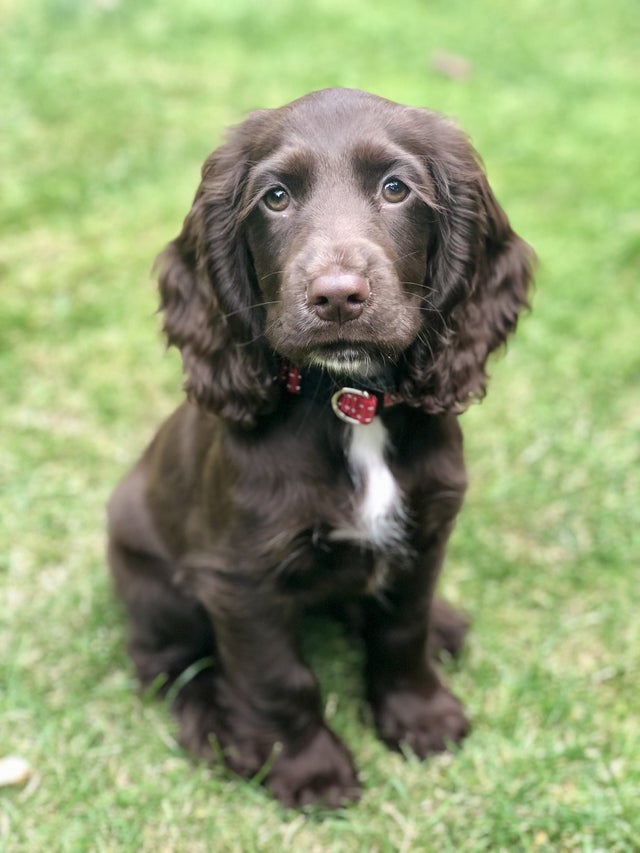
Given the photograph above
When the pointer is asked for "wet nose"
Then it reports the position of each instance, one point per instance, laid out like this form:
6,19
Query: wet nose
338,297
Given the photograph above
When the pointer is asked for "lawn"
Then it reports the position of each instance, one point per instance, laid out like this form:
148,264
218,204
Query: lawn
107,109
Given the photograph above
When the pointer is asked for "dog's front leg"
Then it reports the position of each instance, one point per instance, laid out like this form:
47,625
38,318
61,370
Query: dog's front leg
410,704
264,704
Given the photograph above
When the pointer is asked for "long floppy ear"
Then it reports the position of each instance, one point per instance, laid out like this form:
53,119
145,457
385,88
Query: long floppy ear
478,275
209,296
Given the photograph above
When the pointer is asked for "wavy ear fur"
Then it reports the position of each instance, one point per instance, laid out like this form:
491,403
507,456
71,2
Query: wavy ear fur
477,279
209,296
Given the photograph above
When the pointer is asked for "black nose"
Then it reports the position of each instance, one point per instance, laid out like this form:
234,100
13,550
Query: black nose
338,296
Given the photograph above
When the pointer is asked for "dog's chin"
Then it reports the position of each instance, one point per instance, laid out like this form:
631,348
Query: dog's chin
347,360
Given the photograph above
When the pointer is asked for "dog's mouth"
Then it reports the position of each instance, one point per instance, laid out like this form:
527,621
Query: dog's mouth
346,359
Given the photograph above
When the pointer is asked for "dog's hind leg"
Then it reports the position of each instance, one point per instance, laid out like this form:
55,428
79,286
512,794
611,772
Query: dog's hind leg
168,630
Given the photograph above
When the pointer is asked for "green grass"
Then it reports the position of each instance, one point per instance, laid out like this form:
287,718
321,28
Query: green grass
106,113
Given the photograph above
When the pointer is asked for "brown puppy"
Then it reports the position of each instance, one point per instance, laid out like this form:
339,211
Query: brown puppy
335,291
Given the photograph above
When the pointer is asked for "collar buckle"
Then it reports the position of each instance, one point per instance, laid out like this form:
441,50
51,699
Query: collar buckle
354,406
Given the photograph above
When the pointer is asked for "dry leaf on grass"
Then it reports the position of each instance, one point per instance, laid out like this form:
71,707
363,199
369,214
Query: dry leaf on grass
14,770
450,65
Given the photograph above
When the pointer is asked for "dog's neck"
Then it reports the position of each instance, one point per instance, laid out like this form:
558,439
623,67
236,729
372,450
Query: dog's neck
354,400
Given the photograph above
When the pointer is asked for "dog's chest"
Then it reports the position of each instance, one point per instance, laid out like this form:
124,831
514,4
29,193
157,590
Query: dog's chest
360,539
377,514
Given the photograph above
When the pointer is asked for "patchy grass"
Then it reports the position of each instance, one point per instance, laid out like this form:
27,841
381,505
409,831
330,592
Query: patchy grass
107,110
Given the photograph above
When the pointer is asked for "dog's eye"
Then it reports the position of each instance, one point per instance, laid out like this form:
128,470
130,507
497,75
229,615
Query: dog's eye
276,199
394,191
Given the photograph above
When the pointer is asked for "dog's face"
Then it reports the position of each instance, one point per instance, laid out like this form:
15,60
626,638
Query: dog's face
348,232
338,230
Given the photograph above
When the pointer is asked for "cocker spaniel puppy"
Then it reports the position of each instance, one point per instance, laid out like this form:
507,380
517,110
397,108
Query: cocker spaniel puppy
335,291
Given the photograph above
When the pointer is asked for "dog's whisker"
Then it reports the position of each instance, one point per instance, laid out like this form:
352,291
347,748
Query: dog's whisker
268,275
248,308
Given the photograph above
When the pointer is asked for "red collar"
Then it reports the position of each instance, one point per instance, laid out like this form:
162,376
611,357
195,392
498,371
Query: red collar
351,405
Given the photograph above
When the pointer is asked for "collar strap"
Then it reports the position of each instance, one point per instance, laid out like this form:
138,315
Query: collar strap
351,405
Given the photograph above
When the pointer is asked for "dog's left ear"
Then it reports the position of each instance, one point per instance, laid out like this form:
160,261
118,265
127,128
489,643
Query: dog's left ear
478,275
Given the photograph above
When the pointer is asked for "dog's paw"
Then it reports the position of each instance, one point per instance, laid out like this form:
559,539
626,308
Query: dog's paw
321,772
318,769
448,628
426,724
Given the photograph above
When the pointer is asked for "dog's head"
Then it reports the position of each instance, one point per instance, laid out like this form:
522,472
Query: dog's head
347,232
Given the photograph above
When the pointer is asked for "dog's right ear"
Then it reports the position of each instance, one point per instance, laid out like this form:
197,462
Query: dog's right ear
209,297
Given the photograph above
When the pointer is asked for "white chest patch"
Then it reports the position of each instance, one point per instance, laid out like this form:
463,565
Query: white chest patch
379,513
